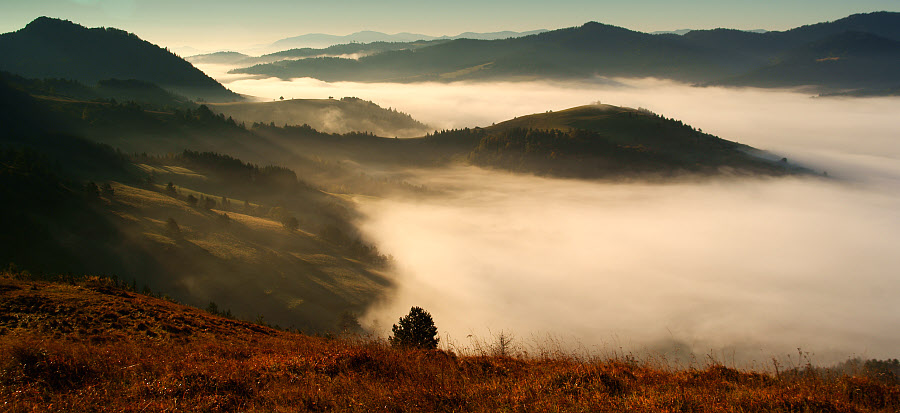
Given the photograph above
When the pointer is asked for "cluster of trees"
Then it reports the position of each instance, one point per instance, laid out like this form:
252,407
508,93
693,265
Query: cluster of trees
353,245
205,116
574,152
109,91
93,191
273,179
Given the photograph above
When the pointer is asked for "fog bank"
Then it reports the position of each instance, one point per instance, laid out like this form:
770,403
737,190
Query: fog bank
813,130
744,269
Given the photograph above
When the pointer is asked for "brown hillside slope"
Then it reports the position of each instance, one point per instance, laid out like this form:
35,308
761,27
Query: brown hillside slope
88,346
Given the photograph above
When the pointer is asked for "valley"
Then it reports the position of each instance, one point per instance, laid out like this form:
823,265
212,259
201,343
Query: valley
596,218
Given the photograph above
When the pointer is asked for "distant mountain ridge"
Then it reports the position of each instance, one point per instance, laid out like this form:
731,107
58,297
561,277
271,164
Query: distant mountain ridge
685,31
321,40
342,50
719,56
55,48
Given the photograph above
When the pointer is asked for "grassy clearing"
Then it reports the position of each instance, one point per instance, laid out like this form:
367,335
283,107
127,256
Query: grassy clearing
93,347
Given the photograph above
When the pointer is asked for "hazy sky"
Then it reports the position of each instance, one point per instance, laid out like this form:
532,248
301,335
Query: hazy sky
213,24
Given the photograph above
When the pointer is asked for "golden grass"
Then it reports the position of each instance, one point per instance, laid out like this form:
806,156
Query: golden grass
259,223
141,198
168,169
229,247
159,239
93,347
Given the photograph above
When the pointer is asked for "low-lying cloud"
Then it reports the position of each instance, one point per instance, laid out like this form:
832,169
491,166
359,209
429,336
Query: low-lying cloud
753,267
760,267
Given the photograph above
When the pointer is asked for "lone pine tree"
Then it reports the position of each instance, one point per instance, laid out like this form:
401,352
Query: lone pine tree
416,329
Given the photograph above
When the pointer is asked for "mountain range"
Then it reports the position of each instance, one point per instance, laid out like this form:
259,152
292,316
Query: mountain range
856,52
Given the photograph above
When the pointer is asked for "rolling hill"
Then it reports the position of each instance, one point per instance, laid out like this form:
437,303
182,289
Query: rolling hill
54,48
604,141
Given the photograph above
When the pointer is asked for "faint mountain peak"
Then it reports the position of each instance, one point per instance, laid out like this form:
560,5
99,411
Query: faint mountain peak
678,32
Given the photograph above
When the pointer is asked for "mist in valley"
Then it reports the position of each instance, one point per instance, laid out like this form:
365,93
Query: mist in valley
759,267
739,268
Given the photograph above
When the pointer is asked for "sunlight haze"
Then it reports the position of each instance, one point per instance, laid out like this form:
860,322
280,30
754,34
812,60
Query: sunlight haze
212,25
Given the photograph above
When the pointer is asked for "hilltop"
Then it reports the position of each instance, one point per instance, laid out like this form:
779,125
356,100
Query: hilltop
85,343
55,48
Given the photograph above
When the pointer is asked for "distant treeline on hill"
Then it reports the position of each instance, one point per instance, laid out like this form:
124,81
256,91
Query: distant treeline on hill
275,178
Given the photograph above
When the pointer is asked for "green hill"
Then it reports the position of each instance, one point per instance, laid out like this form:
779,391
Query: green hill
54,48
604,141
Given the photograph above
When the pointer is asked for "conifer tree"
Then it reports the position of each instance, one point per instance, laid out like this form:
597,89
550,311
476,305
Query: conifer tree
416,329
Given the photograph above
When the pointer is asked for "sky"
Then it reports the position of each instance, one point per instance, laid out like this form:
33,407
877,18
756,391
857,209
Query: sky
211,25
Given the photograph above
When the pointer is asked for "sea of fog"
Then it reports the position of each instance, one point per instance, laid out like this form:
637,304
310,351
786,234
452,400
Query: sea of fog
739,270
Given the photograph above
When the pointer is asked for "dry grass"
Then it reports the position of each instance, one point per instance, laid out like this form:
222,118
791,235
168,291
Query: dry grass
144,199
168,169
92,347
